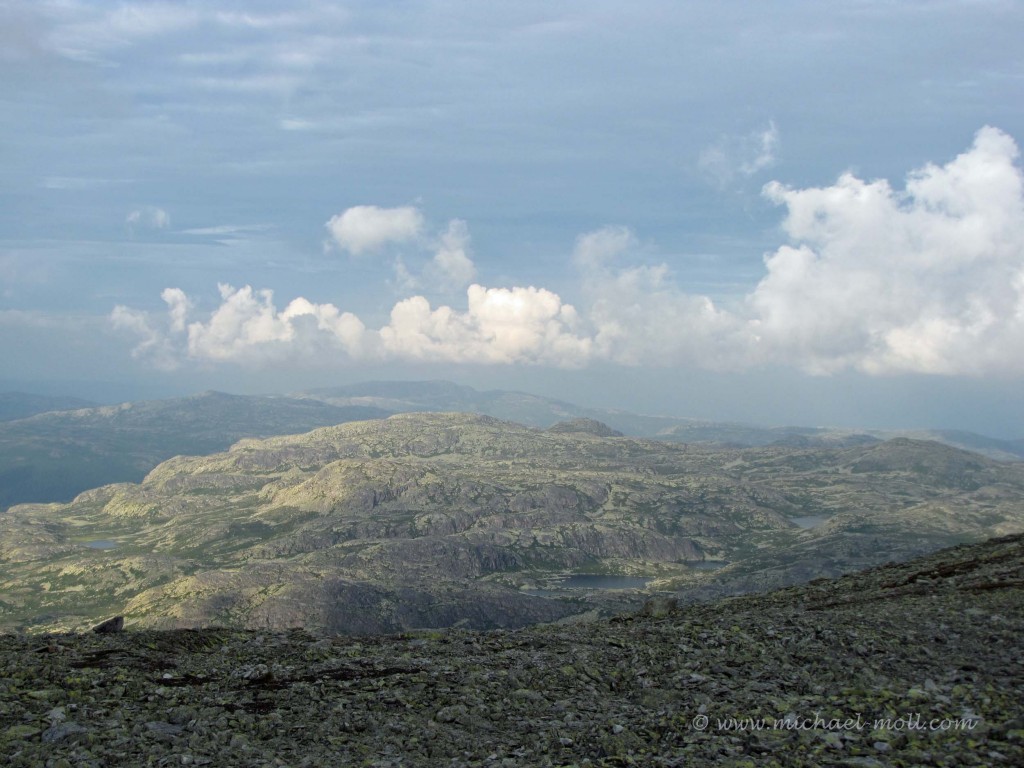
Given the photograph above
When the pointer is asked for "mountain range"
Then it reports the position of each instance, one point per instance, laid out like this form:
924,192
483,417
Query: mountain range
19,405
440,519
51,449
57,454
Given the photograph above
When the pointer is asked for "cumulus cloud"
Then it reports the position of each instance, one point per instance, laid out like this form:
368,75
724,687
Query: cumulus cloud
927,279
178,306
155,342
367,228
639,315
245,328
500,325
736,157
452,264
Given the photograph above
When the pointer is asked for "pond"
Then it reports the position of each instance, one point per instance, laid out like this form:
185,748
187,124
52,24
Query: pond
586,581
100,544
808,521
598,581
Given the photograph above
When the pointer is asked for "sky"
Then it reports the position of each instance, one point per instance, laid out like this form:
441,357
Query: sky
782,213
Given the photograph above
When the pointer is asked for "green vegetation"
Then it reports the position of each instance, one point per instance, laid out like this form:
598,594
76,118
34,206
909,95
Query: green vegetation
428,520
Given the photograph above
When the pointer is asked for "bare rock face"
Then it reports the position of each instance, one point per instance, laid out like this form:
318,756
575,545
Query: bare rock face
584,426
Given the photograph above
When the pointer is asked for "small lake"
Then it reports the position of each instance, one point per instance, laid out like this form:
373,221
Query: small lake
100,544
809,521
597,581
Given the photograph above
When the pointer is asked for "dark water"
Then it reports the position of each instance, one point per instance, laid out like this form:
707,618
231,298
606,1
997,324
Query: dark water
101,544
583,581
810,521
596,581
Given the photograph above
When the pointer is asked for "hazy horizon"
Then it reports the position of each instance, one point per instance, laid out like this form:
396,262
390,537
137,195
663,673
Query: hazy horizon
897,414
799,214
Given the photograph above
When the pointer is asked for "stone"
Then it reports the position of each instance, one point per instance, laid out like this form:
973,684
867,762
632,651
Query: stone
61,731
116,624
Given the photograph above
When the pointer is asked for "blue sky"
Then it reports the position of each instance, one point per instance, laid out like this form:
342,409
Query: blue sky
791,212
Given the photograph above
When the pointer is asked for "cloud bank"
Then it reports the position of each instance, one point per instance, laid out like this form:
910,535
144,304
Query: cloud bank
927,279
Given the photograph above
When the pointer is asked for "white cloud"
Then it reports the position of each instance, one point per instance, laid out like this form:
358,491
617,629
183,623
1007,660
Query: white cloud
501,325
638,315
451,264
155,345
178,306
594,251
248,328
367,228
765,145
925,280
734,157
297,124
929,280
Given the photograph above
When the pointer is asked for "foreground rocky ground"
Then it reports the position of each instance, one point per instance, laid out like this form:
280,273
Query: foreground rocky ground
934,645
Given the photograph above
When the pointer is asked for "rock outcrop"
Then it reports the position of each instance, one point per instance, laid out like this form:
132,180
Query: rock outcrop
911,664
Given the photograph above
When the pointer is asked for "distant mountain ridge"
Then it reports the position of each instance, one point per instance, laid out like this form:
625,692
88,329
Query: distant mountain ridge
20,405
53,456
543,412
446,396
56,455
